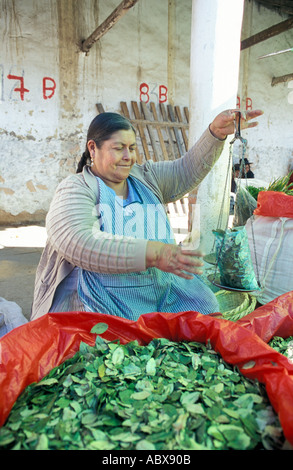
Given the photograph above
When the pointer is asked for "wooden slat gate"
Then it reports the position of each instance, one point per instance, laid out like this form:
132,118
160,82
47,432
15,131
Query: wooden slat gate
162,134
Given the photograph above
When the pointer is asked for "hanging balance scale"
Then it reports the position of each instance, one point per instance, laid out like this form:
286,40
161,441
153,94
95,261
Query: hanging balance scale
231,256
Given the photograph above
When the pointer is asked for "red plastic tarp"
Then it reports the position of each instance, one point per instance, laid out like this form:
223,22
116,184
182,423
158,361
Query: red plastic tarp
29,352
272,319
274,204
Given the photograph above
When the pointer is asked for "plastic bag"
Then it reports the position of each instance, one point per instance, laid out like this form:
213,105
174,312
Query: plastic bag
234,259
272,319
245,204
55,337
11,316
274,204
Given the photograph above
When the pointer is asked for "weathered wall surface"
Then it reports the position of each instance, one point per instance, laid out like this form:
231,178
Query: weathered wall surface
49,88
270,146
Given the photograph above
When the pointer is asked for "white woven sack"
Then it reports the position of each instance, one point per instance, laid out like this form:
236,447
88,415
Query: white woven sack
271,245
11,316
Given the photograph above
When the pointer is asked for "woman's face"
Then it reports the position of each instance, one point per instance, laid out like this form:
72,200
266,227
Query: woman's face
114,160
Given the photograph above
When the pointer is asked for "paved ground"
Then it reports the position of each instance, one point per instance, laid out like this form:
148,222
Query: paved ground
20,251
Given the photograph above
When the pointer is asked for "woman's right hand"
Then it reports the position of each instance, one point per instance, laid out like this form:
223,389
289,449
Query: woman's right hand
174,259
224,123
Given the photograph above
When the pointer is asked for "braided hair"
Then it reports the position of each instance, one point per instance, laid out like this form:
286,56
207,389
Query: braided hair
101,129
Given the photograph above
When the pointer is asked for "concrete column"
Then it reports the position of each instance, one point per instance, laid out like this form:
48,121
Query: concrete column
214,70
171,49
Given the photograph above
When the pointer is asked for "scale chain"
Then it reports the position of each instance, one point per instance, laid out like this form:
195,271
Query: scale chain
244,142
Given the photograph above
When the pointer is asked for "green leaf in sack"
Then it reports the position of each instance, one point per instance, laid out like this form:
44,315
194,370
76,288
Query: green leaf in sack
144,444
47,382
237,438
43,443
189,397
99,328
248,365
6,437
118,356
140,395
88,418
151,366
125,396
101,370
131,370
101,445
63,402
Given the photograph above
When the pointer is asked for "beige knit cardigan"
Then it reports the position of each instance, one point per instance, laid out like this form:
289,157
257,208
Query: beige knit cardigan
73,234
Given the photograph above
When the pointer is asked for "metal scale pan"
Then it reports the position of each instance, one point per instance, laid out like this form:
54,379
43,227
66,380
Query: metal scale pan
215,280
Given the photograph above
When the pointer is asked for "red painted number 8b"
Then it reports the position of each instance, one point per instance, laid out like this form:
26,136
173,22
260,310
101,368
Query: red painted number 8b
145,93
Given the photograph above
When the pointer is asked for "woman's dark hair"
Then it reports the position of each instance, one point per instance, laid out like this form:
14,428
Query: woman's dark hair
101,129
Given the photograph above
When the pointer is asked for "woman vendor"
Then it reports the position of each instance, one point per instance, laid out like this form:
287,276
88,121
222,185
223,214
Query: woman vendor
110,247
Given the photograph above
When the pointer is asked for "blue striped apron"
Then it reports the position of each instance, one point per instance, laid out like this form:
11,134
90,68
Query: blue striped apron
130,295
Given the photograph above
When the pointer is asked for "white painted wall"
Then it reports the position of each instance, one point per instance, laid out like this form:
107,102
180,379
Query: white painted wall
28,124
42,139
270,146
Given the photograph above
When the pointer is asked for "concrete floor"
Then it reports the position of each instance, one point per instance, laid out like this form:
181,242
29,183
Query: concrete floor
20,251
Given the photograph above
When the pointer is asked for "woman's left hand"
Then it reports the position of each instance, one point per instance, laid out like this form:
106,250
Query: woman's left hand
174,259
224,123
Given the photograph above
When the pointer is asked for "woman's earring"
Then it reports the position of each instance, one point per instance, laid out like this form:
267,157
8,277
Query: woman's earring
92,161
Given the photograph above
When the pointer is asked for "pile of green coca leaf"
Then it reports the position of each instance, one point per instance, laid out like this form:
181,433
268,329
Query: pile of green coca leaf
163,396
283,345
